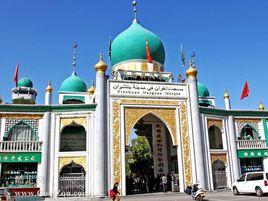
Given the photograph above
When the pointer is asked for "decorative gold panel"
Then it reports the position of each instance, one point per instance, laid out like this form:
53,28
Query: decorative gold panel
218,156
78,120
185,144
155,67
132,66
167,115
116,141
149,102
80,160
144,67
215,122
22,116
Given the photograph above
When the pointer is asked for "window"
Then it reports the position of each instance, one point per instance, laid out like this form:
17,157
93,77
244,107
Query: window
250,177
73,138
255,176
249,133
21,132
215,138
18,175
242,178
266,175
258,176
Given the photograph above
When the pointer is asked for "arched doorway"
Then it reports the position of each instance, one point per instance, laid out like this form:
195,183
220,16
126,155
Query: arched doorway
219,174
72,180
149,155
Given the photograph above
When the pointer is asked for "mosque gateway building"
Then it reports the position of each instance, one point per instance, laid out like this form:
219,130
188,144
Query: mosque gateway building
85,143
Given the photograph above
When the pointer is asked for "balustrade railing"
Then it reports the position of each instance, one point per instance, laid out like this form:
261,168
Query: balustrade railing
251,144
19,146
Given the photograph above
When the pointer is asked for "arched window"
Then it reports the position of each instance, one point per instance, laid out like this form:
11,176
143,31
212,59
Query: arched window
73,138
248,133
72,168
21,132
215,138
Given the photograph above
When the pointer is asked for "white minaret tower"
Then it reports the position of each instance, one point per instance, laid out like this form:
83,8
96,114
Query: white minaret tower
48,97
191,73
100,181
227,100
232,137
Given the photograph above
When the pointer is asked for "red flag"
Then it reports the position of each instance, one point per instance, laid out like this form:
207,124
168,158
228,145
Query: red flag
245,91
16,73
148,53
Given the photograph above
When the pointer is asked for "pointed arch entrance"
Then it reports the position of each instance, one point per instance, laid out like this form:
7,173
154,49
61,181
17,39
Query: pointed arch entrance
126,113
72,180
150,154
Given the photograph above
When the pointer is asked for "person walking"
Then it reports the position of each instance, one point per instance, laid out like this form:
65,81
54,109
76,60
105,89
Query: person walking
115,193
164,183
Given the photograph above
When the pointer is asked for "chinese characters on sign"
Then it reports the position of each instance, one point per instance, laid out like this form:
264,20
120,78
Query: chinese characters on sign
20,157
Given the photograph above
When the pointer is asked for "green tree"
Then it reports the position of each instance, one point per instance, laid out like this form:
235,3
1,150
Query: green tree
139,157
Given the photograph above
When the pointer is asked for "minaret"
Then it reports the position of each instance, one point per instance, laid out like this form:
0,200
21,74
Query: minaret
91,90
261,106
99,162
191,73
232,137
227,100
48,97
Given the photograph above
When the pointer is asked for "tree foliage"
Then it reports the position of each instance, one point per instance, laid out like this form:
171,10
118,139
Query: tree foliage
139,157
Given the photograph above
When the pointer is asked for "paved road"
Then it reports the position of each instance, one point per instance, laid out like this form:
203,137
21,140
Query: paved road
210,196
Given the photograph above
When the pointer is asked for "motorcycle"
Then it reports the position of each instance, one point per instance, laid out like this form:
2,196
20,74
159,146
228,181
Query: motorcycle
197,193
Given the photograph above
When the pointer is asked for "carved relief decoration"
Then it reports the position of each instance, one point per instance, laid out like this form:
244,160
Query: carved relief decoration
167,115
185,144
149,102
218,156
80,160
22,116
116,141
243,122
76,120
215,122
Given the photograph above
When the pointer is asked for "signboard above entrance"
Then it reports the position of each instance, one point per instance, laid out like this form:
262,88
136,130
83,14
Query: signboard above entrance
138,89
20,157
259,153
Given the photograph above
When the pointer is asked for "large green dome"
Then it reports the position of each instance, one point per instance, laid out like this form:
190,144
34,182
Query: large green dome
73,84
131,44
25,82
202,90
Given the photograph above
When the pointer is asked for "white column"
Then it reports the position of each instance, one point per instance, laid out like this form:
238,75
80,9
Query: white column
196,128
233,151
45,156
48,96
99,155
227,102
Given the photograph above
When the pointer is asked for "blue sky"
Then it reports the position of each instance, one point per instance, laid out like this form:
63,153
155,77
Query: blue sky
229,37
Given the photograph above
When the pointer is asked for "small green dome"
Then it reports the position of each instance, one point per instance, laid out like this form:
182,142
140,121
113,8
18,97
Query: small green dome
25,82
202,90
73,84
131,44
